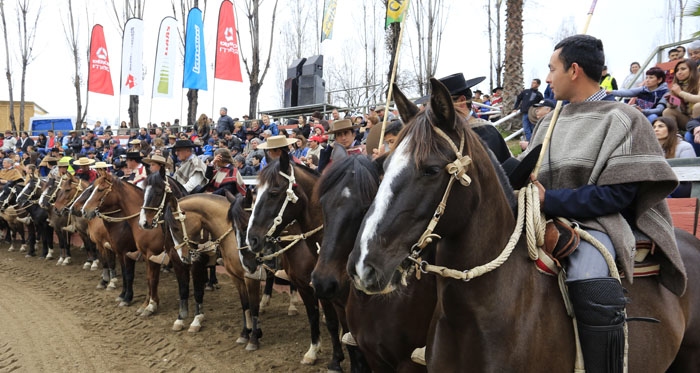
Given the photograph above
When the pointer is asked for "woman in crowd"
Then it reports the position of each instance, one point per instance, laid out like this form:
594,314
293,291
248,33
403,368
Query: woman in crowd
666,131
223,175
300,149
629,81
684,94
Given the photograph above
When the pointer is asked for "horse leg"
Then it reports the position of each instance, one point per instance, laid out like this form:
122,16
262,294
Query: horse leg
47,244
332,325
267,292
128,282
31,230
199,279
153,274
111,265
312,312
66,257
182,274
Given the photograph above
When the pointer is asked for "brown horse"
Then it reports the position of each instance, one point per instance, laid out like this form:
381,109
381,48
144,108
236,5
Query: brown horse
346,191
510,319
225,223
116,202
284,196
69,189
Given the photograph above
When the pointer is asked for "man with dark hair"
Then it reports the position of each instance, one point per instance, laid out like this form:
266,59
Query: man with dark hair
225,123
525,99
650,97
607,81
604,170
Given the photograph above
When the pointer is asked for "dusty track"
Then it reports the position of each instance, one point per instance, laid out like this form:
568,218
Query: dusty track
53,319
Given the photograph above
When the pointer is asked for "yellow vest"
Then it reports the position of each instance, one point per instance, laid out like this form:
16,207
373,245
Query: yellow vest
607,83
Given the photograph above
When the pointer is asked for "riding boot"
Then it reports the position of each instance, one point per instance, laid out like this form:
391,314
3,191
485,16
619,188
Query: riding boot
599,306
163,259
133,255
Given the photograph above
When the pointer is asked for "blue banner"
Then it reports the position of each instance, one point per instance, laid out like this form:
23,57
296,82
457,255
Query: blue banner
195,74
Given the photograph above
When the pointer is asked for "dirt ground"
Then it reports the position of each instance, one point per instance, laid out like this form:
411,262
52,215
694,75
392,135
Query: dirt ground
52,319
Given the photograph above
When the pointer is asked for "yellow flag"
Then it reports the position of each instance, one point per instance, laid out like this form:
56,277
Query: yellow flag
395,11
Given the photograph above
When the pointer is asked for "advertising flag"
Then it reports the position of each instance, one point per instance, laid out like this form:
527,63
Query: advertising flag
328,19
227,59
99,75
195,74
166,52
395,11
132,58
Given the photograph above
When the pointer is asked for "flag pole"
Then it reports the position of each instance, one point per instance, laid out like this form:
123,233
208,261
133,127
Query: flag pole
557,108
391,83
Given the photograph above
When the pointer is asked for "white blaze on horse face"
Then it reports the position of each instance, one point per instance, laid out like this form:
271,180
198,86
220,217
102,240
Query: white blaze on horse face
92,195
396,165
261,191
142,215
345,193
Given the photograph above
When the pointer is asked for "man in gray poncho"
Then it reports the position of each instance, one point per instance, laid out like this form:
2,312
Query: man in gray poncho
604,169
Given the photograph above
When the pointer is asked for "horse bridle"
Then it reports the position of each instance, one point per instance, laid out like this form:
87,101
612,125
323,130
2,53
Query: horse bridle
159,210
6,202
53,195
37,186
78,190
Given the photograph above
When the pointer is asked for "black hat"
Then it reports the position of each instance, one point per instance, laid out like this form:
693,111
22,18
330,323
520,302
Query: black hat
519,171
547,103
456,84
179,144
134,155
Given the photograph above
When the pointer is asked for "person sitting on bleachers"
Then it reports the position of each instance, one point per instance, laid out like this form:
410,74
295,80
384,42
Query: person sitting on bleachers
650,96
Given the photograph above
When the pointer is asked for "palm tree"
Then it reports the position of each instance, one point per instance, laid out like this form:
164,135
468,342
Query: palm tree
513,79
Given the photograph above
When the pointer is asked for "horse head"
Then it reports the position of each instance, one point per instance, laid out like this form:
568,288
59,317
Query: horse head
437,177
29,193
48,196
101,196
8,196
69,187
283,196
345,191
155,194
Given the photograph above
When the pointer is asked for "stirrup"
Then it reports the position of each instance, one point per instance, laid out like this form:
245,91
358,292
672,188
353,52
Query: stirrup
69,228
134,255
282,274
163,259
418,356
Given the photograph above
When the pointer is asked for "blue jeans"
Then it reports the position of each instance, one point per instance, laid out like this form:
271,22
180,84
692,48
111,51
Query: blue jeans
689,138
527,127
587,262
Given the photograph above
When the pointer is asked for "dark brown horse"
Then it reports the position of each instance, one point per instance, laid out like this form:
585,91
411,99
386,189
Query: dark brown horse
27,203
225,222
69,189
510,319
284,196
116,202
346,191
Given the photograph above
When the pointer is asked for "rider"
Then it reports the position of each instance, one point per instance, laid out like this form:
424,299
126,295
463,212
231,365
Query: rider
155,163
191,172
84,172
344,131
605,170
138,170
223,176
101,168
275,146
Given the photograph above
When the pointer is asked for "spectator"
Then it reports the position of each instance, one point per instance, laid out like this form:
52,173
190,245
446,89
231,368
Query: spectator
684,94
253,150
607,81
99,130
525,99
239,131
672,144
314,145
304,126
74,142
630,81
300,148
649,98
256,165
268,125
673,55
694,52
224,123
40,142
10,143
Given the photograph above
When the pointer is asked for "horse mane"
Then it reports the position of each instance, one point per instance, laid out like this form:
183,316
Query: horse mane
177,188
270,173
119,181
363,175
237,213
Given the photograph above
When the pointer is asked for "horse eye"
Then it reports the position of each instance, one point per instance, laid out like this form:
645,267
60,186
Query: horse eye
431,171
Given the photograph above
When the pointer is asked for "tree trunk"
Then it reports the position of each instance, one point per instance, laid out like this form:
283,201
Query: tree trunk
192,102
254,92
513,81
21,98
134,111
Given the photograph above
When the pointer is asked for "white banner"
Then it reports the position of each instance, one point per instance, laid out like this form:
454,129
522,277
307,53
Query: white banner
166,52
132,58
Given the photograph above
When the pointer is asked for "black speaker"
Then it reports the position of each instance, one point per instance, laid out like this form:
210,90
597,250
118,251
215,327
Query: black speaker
313,66
295,68
312,90
291,92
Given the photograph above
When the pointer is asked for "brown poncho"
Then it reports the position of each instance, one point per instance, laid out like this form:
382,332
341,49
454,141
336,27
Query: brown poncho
607,143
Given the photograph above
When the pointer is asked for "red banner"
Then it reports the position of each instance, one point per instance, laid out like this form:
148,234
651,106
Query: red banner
228,62
99,76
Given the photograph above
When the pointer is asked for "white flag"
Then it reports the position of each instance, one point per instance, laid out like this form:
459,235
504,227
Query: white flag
166,52
132,56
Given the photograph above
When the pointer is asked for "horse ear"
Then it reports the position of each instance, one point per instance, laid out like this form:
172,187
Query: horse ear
284,162
407,109
339,153
441,105
230,197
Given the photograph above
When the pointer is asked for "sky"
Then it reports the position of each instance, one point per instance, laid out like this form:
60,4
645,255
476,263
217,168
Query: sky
630,31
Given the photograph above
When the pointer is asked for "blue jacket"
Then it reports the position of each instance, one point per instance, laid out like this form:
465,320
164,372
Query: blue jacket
651,102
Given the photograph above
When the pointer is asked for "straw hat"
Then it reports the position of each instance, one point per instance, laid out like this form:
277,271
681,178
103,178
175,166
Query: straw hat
135,142
85,161
101,165
46,160
155,158
276,142
342,125
63,163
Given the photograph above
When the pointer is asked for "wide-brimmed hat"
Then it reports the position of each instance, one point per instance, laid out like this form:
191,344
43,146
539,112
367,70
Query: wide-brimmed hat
181,144
548,103
456,84
518,172
342,125
134,155
63,163
135,142
84,161
47,161
155,158
276,142
101,165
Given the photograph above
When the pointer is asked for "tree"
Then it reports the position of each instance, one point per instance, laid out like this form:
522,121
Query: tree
252,68
513,80
496,66
192,94
8,67
27,35
131,9
71,31
429,18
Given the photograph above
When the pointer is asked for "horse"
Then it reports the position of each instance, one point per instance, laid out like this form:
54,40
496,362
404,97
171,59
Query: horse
221,219
346,191
69,189
503,320
27,201
284,196
8,198
121,203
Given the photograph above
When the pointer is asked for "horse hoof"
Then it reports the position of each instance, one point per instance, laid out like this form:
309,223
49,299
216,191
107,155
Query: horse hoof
292,310
23,248
124,304
101,286
418,356
311,355
178,325
112,284
95,265
308,361
139,311
146,313
67,261
118,299
194,329
196,325
60,261
12,248
86,265
251,347
242,341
